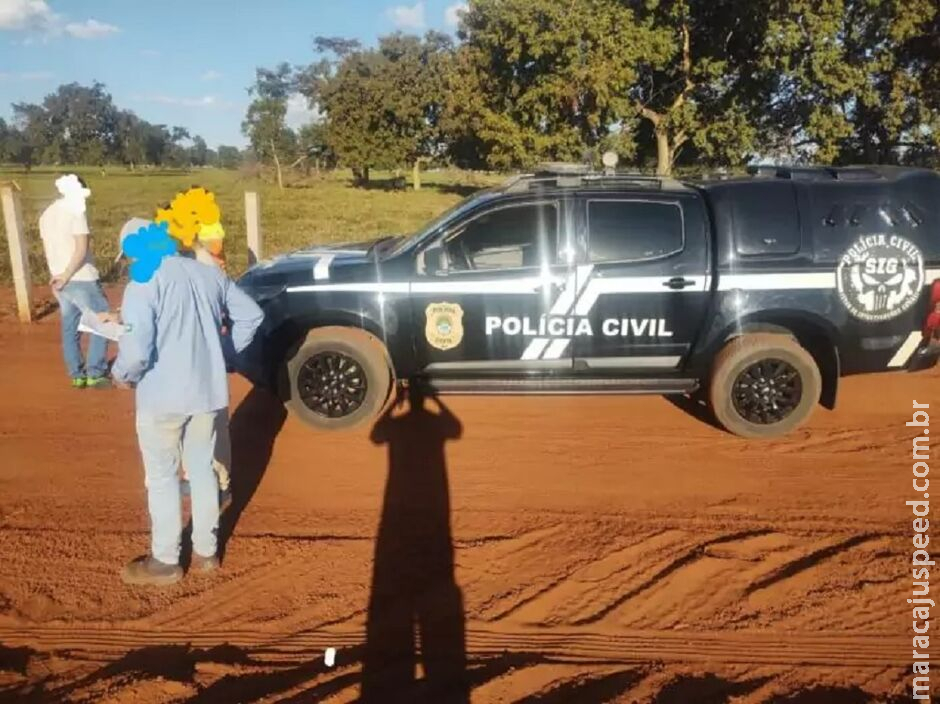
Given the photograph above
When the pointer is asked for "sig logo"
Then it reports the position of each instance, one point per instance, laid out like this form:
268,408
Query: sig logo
880,277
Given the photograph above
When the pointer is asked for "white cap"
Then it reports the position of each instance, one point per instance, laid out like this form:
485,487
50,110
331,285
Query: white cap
130,227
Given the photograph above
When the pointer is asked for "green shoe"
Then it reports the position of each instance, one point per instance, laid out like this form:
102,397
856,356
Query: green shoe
78,383
98,382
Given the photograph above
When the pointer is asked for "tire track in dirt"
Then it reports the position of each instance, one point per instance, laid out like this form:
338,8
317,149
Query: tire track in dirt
813,559
575,566
851,440
592,686
692,554
580,645
591,579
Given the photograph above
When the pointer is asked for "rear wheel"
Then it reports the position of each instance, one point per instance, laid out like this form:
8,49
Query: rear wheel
339,378
764,385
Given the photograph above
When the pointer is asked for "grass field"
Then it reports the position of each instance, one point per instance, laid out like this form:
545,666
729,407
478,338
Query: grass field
309,211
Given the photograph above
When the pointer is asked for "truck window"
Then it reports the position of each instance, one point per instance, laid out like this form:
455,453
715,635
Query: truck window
506,238
631,230
766,219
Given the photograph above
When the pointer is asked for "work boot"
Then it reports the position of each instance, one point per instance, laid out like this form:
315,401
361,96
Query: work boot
203,565
150,572
98,382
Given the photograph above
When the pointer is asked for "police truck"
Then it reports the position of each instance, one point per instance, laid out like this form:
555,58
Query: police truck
756,294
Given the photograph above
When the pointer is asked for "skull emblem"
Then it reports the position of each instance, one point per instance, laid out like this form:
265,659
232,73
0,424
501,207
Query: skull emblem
881,281
879,293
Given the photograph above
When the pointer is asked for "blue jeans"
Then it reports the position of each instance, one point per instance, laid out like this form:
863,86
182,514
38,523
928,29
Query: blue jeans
163,439
89,295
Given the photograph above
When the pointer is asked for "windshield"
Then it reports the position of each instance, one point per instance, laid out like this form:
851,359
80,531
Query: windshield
454,212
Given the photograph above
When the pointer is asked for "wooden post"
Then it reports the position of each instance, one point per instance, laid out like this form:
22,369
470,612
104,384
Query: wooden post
253,227
19,253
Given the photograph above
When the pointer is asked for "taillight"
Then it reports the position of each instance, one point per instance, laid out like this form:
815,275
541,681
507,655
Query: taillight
932,324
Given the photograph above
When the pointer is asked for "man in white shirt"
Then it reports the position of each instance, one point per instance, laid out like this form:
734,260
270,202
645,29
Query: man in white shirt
63,227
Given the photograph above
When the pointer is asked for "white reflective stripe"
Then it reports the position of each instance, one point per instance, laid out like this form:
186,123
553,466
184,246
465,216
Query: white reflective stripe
630,362
321,270
776,282
531,284
901,357
565,302
573,286
535,348
556,349
353,288
566,298
632,284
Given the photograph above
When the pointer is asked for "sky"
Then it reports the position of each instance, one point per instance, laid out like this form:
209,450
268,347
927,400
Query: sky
185,63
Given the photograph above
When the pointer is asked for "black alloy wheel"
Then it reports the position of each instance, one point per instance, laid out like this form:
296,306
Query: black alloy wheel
332,384
767,391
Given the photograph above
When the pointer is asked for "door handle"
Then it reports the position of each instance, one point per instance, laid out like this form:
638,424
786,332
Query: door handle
678,282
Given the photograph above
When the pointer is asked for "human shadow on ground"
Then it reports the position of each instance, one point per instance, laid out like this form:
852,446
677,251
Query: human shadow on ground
253,428
415,613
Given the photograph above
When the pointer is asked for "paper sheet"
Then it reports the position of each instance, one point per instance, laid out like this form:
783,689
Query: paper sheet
91,323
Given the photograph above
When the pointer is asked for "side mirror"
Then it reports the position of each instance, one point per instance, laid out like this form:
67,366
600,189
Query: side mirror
433,261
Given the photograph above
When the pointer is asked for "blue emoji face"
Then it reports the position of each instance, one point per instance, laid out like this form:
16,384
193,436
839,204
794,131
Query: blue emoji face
146,248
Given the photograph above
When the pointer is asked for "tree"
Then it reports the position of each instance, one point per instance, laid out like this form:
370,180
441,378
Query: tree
383,106
78,123
229,157
265,125
199,152
313,145
414,78
131,137
340,83
538,80
158,144
856,80
176,152
81,125
6,142
30,135
697,86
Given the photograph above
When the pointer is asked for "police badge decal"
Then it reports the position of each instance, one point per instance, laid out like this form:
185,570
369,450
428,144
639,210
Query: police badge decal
444,329
880,277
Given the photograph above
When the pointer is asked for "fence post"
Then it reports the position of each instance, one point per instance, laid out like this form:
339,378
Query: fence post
19,254
253,227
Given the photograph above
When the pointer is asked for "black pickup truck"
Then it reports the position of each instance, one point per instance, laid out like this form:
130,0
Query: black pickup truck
756,293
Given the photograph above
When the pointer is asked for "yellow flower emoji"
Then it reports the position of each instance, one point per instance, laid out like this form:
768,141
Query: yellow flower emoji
188,212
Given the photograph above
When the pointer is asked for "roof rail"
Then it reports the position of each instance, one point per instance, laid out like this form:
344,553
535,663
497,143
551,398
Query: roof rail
563,168
814,173
579,176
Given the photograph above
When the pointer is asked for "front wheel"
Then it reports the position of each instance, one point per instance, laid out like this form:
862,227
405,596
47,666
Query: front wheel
764,385
339,378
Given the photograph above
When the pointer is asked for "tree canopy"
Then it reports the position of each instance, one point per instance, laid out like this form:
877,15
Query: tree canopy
81,125
265,124
383,106
665,83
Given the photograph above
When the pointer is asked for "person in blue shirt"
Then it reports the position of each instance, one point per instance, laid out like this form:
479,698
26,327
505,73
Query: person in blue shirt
173,354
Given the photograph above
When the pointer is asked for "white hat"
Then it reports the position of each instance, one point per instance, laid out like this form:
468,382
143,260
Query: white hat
130,227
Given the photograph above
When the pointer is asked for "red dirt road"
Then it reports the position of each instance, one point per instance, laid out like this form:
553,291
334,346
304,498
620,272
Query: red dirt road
609,549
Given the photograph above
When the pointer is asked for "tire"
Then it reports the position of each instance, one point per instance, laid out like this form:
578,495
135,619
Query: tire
348,353
743,409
